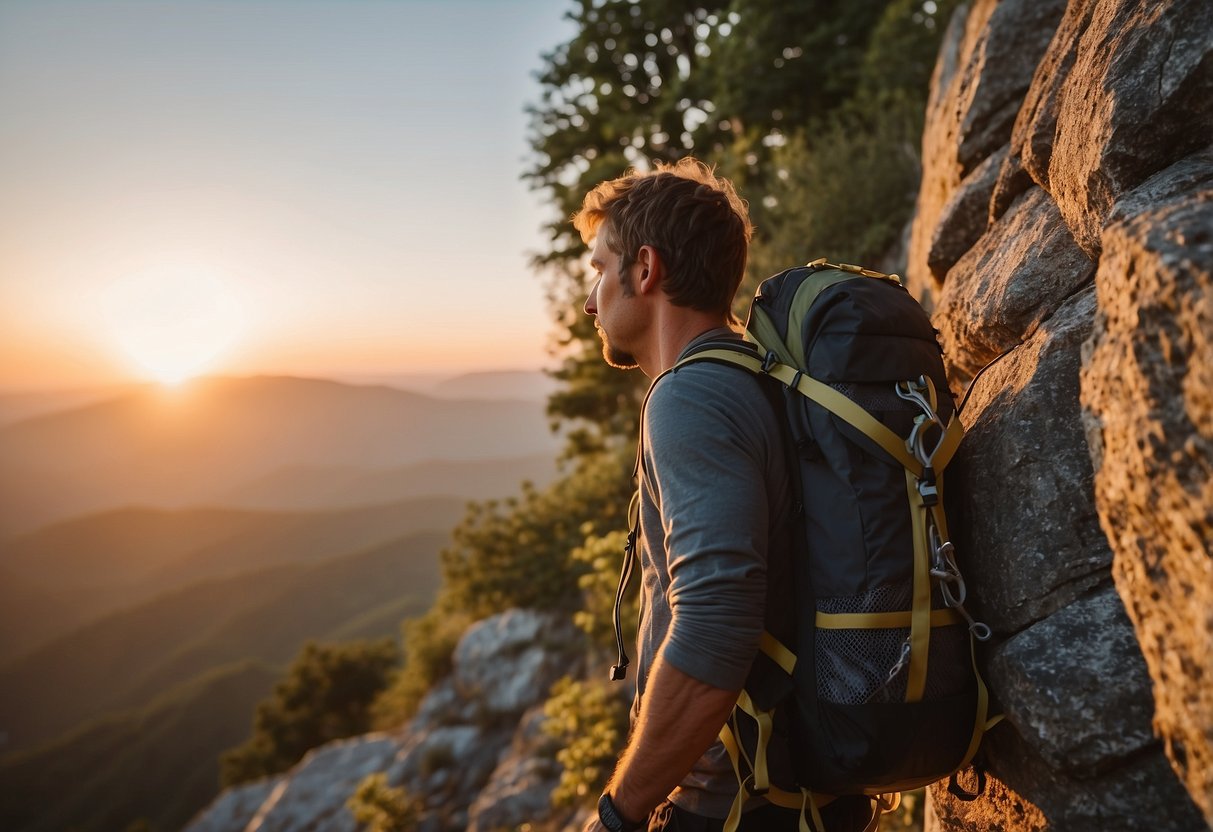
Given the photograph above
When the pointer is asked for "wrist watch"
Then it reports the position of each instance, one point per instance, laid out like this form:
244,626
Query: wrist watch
613,820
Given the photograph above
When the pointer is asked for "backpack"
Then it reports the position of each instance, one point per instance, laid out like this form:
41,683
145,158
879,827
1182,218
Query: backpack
872,676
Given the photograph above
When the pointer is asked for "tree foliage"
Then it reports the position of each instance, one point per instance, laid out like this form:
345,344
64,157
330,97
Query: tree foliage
325,695
774,94
517,553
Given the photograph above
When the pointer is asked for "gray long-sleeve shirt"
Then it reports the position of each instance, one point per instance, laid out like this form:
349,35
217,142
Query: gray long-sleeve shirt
715,501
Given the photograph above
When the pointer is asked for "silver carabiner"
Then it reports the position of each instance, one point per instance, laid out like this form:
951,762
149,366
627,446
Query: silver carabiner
980,631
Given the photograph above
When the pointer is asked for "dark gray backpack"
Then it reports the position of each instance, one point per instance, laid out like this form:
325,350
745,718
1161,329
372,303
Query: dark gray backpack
871,675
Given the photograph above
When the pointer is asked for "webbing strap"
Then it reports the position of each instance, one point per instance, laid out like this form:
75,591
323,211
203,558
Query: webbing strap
920,613
734,751
948,444
806,801
827,397
762,778
882,620
980,725
777,652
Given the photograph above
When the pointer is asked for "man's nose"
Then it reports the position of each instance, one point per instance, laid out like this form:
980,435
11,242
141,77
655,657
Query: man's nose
591,303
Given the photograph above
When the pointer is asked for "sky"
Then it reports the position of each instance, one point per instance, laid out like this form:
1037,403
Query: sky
306,187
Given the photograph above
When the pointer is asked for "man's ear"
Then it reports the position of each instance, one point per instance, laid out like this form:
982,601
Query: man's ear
652,269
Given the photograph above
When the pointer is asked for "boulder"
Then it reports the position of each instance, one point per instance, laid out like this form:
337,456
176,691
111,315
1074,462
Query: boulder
1024,794
1021,494
962,220
987,61
1015,277
446,768
1076,689
1036,124
519,791
1148,390
313,794
508,663
232,810
1135,100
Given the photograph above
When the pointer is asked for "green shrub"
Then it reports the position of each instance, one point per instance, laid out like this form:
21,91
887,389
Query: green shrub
325,695
429,643
379,807
589,720
516,553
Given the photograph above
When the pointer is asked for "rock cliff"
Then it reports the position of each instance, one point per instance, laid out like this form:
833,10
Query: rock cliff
473,758
1065,228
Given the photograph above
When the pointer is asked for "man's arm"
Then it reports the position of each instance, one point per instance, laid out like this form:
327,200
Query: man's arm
679,719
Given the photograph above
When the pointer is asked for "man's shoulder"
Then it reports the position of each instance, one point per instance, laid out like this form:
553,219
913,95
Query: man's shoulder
706,392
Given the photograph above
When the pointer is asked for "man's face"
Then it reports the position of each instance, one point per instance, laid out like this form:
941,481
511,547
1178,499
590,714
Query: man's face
610,302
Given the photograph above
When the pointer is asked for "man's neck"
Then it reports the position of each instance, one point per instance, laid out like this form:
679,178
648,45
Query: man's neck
679,327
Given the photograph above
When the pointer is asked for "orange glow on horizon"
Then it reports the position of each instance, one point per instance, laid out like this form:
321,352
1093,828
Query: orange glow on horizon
173,323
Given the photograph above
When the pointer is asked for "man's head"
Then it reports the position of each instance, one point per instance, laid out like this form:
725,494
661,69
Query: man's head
695,221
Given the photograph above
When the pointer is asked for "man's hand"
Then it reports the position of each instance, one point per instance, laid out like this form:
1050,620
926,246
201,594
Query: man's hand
680,717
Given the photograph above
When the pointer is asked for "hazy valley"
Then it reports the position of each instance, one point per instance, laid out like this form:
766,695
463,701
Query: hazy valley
165,552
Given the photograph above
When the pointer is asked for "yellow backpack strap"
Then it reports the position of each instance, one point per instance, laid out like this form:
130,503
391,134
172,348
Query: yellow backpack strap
824,395
920,610
730,742
777,652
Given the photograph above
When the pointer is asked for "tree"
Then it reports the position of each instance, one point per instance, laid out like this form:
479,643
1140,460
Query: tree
325,695
652,81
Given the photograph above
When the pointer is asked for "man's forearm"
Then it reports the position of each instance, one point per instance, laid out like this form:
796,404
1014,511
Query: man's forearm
679,719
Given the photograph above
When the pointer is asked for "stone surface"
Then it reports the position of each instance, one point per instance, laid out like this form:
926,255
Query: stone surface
519,791
1025,525
1036,124
508,662
313,794
1136,99
234,808
987,61
962,220
1014,278
446,768
468,753
1006,50
1024,795
1076,688
1148,389
1084,237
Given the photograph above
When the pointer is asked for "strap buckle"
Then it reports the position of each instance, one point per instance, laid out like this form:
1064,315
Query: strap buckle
769,361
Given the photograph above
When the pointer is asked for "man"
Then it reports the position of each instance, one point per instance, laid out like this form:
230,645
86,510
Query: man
669,249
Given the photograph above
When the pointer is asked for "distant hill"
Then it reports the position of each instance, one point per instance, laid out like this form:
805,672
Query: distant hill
306,487
177,447
127,659
17,406
505,385
159,762
65,575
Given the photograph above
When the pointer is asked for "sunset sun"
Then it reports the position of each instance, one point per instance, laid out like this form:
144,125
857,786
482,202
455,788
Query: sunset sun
173,323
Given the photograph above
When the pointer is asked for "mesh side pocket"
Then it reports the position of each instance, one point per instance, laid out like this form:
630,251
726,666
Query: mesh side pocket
855,666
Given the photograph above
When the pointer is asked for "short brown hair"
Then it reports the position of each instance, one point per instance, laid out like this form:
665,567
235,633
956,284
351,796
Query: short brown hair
694,219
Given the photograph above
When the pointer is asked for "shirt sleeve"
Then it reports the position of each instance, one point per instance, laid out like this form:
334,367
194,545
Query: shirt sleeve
706,458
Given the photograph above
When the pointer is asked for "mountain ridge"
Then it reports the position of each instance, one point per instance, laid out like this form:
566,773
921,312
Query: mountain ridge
180,447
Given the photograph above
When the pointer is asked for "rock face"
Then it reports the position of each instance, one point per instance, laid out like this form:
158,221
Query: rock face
1065,228
473,757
